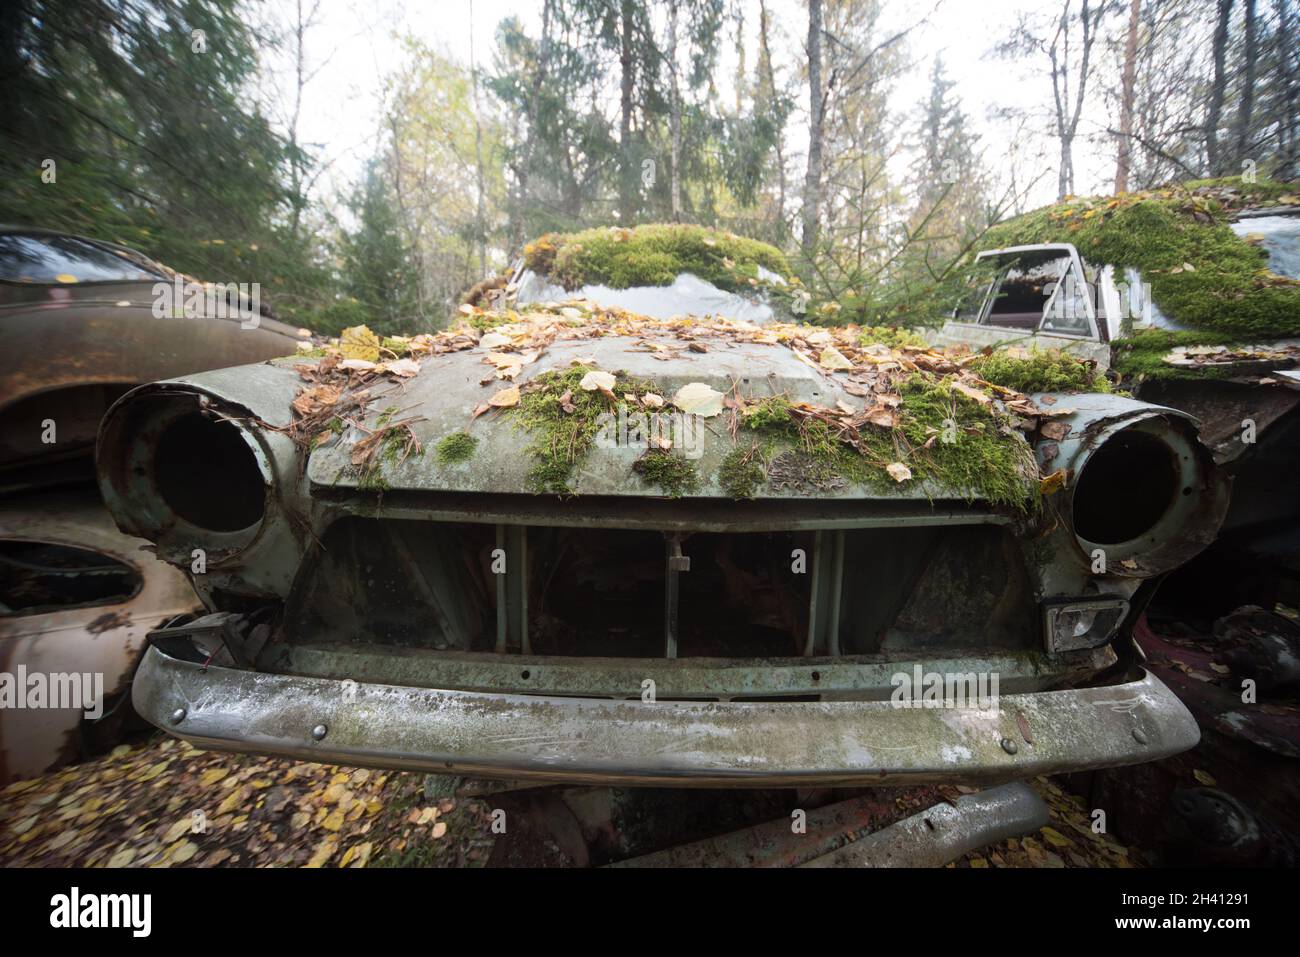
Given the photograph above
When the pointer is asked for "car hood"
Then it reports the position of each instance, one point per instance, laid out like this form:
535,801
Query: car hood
448,390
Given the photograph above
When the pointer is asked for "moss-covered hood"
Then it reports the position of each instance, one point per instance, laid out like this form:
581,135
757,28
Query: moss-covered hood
581,400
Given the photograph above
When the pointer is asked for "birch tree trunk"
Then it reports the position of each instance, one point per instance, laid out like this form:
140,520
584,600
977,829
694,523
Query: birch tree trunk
812,186
1124,162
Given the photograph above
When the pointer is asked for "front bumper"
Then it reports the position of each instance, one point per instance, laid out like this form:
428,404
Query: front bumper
695,744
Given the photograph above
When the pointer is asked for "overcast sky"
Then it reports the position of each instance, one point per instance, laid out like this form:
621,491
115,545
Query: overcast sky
355,40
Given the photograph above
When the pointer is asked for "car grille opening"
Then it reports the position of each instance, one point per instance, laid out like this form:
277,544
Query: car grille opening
604,593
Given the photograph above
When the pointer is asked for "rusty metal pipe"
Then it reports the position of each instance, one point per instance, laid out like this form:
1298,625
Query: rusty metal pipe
946,831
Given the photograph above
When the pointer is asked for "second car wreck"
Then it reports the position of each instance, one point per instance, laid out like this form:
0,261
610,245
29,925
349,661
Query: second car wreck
392,579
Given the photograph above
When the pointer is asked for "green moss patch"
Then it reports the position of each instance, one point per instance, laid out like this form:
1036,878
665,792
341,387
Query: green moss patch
564,420
1142,356
1228,288
1047,370
744,470
672,473
942,436
895,337
457,447
652,255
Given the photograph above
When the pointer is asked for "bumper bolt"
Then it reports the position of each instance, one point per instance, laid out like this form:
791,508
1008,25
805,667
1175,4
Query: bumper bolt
1009,746
319,731
178,716
1139,736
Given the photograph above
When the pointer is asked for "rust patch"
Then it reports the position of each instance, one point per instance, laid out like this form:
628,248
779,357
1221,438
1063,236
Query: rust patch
108,621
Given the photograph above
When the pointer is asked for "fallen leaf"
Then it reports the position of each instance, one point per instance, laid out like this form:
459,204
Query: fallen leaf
358,342
1056,431
1053,483
505,398
898,471
405,368
595,380
177,831
834,360
1055,837
324,851
360,853
1205,778
882,416
970,392
697,398
333,821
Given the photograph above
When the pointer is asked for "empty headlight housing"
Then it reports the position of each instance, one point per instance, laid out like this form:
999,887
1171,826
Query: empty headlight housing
178,467
1146,497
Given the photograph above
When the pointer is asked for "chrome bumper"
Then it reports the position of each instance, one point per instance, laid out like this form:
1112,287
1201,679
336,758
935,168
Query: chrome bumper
695,744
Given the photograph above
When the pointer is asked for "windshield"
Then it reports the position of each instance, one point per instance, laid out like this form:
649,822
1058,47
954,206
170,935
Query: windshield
29,258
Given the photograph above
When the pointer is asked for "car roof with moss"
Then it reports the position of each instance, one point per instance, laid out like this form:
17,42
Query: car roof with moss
660,270
533,400
1204,275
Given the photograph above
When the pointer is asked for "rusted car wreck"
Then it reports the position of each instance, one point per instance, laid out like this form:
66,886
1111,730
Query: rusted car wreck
77,598
426,554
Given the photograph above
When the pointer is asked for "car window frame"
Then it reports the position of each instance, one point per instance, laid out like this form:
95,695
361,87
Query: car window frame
136,571
1076,263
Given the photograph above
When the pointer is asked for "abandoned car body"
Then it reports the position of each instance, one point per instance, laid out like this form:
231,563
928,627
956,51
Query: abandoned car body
76,596
1227,353
662,622
79,323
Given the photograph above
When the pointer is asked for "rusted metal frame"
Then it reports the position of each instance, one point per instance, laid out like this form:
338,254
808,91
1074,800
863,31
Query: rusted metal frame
721,516
837,584
814,598
931,838
512,589
503,610
674,564
824,600
855,678
520,560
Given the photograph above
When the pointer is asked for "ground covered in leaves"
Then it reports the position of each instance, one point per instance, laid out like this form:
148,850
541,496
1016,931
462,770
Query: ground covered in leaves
164,803
168,804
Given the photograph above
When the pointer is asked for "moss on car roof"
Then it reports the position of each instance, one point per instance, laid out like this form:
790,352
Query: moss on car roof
1202,274
653,255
